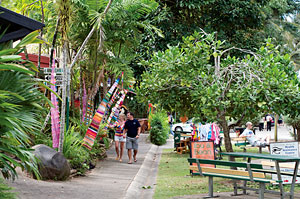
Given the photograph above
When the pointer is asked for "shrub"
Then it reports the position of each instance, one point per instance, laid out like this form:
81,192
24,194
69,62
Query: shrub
159,128
5,191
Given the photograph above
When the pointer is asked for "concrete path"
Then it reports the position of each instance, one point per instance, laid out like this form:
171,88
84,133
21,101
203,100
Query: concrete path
110,179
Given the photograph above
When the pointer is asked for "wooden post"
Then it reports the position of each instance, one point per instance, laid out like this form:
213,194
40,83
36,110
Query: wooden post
276,128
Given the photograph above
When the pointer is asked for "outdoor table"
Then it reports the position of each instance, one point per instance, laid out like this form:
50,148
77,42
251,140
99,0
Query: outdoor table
185,135
277,159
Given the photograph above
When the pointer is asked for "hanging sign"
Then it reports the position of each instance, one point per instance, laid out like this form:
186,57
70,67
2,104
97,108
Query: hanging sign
202,150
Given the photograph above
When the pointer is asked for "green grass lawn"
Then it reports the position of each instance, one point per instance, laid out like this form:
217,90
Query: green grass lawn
174,177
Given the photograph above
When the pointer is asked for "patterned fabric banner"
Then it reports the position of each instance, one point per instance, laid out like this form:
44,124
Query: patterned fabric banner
116,110
83,100
93,129
55,122
89,113
114,96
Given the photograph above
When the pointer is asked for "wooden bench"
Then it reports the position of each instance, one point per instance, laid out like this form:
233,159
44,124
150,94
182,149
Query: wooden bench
244,144
272,164
251,172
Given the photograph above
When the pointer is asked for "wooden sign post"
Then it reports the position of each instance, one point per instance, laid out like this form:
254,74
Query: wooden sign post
202,150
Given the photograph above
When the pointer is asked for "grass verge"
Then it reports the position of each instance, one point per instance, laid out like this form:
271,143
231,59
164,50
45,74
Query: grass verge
174,178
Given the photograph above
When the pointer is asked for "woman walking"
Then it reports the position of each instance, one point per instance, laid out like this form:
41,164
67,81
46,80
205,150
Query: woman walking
119,139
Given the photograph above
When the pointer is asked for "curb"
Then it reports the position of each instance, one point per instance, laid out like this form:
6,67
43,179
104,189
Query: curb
146,176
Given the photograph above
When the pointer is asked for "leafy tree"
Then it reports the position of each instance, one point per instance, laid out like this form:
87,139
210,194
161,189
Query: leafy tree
295,123
195,78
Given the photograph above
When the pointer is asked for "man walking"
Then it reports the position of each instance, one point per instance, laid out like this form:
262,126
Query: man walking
132,129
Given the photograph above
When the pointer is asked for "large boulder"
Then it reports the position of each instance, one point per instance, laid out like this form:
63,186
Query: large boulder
53,165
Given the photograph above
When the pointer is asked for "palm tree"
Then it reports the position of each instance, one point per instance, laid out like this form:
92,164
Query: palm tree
19,109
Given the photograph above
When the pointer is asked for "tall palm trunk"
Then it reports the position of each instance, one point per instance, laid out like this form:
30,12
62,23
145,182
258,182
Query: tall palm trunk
41,34
89,36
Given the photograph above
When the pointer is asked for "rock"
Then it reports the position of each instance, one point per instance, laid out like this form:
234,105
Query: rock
53,165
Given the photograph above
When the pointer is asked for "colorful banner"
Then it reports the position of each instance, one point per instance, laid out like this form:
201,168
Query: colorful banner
114,96
116,110
83,100
55,122
93,129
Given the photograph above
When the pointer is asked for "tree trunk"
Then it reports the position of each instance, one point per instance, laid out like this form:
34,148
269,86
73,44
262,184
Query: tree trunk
226,131
298,133
53,42
64,95
276,128
41,34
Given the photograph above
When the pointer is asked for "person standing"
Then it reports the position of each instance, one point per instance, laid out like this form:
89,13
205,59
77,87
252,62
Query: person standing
132,130
269,122
170,120
119,139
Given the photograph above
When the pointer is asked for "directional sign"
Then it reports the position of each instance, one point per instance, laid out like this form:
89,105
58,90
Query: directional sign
49,70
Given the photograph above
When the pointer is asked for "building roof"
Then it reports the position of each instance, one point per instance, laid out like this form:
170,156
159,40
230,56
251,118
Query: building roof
16,26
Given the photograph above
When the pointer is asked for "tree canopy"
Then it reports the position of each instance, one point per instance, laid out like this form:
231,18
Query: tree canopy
199,77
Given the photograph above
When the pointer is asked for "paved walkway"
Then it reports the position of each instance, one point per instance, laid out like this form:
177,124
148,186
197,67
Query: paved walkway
114,180
110,179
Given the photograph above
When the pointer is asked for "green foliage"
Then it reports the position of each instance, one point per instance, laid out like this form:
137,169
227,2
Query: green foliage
159,128
194,78
19,98
5,191
73,150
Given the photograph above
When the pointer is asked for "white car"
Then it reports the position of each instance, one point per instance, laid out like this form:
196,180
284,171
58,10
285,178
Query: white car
185,127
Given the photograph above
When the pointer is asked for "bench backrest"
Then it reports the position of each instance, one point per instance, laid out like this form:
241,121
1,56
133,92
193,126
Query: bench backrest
228,172
202,170
226,163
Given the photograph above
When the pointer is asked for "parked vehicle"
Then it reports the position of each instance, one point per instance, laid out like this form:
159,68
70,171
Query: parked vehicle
183,127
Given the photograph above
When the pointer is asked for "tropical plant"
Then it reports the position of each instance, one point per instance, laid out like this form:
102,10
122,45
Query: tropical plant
198,79
6,191
73,150
19,109
159,128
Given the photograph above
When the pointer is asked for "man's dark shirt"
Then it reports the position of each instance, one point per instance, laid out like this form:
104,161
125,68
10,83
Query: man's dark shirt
132,127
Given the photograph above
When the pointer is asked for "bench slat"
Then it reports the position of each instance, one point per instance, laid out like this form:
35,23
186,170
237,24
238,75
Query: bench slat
225,163
239,139
242,144
284,165
264,180
228,172
275,172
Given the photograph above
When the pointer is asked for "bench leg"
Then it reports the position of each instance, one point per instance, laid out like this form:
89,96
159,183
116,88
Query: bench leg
294,180
244,190
279,178
261,191
211,188
260,149
235,189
